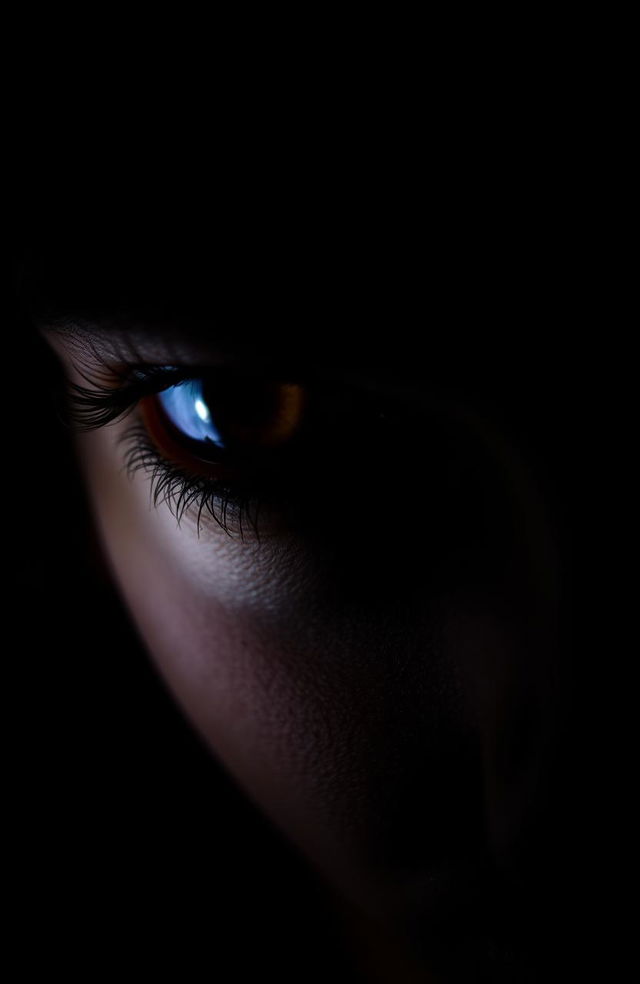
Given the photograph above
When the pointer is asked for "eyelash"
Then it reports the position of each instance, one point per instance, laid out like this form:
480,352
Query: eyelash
233,508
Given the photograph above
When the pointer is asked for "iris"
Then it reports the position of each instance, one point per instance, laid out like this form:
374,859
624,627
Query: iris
186,407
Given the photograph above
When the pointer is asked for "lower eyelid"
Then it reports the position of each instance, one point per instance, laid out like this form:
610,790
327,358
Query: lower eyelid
184,492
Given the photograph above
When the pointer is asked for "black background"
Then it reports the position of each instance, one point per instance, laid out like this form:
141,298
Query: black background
133,845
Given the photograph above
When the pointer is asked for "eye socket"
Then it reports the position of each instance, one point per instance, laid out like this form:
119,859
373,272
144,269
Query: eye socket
216,438
224,419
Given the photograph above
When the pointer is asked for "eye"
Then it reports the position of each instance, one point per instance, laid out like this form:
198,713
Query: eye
224,418
230,443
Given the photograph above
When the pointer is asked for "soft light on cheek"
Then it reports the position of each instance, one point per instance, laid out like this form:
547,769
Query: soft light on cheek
313,712
211,617
146,542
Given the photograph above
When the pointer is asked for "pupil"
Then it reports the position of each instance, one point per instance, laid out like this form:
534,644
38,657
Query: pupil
241,409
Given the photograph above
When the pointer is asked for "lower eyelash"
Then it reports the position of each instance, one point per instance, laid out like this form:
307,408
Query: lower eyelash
232,510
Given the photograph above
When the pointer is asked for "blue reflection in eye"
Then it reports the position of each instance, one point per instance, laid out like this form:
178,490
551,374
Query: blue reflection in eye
187,409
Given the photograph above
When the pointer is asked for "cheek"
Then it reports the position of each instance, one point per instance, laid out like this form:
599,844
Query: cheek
269,681
369,735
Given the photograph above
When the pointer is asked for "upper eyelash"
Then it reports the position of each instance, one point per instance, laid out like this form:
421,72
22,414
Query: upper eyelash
99,404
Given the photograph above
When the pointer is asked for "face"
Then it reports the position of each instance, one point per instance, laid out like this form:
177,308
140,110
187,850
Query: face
344,570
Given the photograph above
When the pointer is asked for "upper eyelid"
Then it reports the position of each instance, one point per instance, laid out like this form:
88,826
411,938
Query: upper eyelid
83,344
106,349
99,403
90,347
102,364
109,367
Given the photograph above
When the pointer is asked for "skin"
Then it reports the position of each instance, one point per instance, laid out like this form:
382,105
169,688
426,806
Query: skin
388,702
